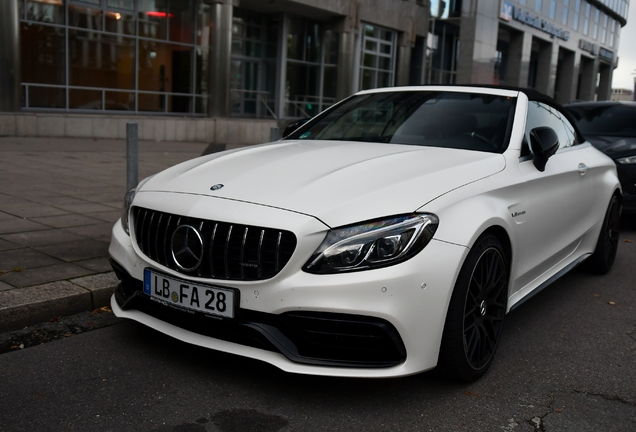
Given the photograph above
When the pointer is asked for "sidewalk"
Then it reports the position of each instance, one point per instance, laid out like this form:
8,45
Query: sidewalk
59,198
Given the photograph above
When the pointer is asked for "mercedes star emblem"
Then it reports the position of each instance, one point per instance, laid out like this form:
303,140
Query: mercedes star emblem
187,248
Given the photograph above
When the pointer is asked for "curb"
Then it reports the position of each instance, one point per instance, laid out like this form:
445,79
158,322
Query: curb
39,303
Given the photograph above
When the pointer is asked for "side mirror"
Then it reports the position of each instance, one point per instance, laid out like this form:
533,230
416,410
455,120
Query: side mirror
544,143
293,126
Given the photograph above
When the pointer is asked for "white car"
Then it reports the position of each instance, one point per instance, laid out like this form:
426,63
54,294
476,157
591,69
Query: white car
388,235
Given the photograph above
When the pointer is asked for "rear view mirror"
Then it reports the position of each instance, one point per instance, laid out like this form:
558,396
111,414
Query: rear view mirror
544,143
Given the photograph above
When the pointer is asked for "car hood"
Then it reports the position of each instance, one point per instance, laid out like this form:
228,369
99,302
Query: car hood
613,146
337,182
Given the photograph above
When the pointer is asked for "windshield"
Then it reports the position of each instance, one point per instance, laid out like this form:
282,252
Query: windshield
439,119
612,120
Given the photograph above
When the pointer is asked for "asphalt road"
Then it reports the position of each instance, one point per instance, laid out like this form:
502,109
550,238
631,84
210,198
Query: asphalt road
567,362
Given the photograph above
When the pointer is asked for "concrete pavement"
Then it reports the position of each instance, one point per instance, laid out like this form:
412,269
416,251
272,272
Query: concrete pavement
59,198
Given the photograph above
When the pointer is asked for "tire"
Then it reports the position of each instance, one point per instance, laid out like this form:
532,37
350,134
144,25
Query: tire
475,316
604,255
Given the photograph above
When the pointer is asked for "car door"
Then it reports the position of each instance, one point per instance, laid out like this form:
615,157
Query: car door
556,201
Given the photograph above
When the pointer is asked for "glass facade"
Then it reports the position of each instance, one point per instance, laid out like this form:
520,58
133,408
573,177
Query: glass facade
164,56
310,78
115,55
253,68
378,57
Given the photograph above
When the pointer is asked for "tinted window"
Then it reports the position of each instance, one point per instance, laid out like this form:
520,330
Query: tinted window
615,120
540,114
438,119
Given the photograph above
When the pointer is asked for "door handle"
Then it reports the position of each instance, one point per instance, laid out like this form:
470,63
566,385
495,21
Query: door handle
583,169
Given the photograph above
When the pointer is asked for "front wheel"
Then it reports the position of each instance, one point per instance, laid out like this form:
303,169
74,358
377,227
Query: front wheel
604,255
476,312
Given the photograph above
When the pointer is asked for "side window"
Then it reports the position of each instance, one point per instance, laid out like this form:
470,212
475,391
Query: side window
540,114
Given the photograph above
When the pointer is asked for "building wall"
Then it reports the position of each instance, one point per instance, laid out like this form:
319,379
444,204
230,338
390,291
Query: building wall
516,42
233,64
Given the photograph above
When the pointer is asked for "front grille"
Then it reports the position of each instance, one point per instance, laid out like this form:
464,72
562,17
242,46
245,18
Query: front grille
230,251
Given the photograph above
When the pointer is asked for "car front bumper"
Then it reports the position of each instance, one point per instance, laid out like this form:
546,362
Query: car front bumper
377,323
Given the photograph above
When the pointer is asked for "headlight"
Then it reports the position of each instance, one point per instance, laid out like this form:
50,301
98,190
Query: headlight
128,199
373,244
627,160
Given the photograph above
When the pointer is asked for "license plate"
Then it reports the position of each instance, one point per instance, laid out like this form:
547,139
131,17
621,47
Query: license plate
189,295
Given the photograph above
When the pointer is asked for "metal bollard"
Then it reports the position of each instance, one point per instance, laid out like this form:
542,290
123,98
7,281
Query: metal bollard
274,134
132,159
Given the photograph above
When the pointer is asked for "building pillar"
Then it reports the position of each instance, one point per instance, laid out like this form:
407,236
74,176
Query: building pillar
476,60
9,56
604,90
281,102
547,65
346,29
406,43
519,51
221,57
567,70
587,85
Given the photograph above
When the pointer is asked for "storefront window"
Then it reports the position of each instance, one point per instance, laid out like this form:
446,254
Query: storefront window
43,62
378,57
110,64
311,75
50,12
253,67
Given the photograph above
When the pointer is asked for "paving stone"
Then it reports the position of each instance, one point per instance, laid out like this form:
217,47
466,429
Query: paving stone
65,221
35,210
46,274
76,250
60,200
8,245
101,231
41,238
5,286
102,286
16,224
98,265
84,208
25,258
5,216
22,307
109,216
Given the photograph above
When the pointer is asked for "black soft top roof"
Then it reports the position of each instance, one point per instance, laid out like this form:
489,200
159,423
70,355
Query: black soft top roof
533,95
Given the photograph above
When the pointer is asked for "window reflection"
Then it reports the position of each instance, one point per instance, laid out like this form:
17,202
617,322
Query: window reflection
100,60
45,11
44,61
104,43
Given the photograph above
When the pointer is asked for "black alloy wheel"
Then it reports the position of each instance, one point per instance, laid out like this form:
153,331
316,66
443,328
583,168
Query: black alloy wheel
476,312
604,255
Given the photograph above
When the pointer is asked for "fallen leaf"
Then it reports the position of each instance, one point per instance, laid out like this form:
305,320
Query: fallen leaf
559,410
471,394
596,295
628,241
102,310
611,303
